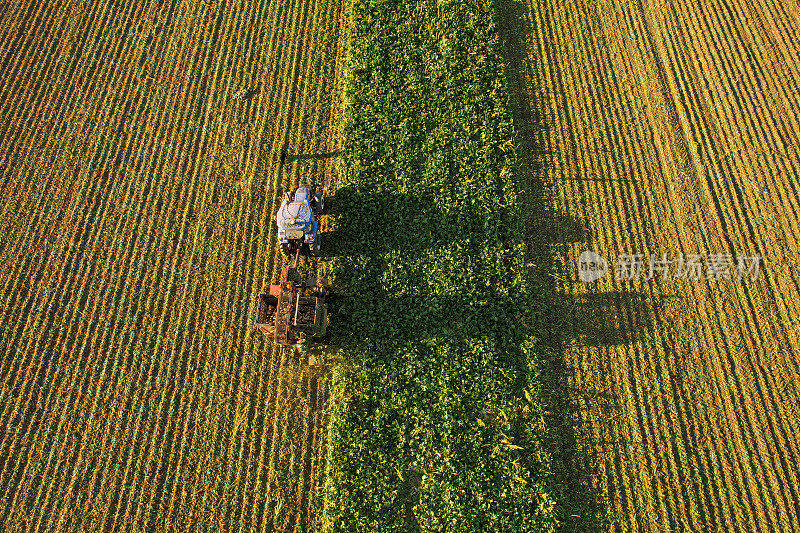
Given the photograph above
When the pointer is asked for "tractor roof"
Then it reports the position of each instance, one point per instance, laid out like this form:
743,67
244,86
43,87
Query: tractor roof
295,214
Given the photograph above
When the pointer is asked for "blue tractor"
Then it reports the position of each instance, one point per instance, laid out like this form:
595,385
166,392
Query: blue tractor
298,227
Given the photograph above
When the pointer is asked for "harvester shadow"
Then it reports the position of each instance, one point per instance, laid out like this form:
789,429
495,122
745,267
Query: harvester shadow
560,318
416,315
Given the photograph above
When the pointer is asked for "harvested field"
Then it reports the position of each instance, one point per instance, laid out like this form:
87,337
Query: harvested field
667,127
139,178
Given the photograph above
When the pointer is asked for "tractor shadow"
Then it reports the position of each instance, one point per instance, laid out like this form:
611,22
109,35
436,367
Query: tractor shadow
376,223
369,316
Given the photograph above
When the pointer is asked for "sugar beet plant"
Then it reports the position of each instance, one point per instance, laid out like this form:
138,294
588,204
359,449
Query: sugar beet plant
435,420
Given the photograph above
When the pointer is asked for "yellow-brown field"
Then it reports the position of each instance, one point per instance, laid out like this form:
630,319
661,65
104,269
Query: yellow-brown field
137,196
671,127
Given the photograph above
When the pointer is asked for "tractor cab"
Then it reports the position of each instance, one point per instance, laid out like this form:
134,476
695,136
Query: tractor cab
298,228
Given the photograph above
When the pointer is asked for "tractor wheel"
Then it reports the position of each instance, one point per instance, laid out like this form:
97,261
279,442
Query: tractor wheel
317,247
286,248
319,202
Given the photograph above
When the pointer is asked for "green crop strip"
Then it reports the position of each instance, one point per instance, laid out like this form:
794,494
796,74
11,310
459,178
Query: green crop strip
436,423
